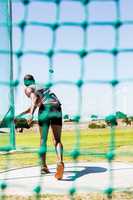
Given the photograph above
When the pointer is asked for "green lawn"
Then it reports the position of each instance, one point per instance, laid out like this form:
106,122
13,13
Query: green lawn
92,144
89,196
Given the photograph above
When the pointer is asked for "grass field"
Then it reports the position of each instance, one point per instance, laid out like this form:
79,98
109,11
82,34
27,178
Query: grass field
93,145
89,196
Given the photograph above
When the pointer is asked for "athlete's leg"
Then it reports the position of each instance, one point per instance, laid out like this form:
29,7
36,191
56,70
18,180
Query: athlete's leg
43,147
43,141
43,128
56,136
57,129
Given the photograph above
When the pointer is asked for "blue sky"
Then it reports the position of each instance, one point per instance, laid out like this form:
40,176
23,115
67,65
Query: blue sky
96,98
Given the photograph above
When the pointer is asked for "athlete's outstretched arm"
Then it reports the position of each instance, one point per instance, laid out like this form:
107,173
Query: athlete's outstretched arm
24,112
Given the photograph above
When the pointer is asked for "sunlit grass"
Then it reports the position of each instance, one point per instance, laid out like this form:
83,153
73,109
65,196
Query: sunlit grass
92,144
89,196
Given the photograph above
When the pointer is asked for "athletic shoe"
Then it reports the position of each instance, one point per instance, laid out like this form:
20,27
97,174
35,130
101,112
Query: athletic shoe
59,171
44,170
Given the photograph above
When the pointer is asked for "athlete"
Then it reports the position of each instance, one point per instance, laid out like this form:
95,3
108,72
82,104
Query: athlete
49,114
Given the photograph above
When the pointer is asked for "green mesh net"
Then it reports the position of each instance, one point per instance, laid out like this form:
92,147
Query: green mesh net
6,82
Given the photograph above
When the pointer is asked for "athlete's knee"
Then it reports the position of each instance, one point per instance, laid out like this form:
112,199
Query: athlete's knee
56,141
59,145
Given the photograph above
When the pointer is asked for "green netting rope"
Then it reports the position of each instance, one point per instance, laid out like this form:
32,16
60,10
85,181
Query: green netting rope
81,53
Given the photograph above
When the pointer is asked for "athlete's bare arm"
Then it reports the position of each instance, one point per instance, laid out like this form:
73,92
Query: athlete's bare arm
34,102
30,92
25,112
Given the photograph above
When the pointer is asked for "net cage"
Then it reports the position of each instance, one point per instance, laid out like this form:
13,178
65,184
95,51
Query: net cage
46,40
6,71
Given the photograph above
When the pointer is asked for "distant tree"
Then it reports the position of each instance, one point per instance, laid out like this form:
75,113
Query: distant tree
121,115
66,116
111,120
127,121
94,117
130,118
